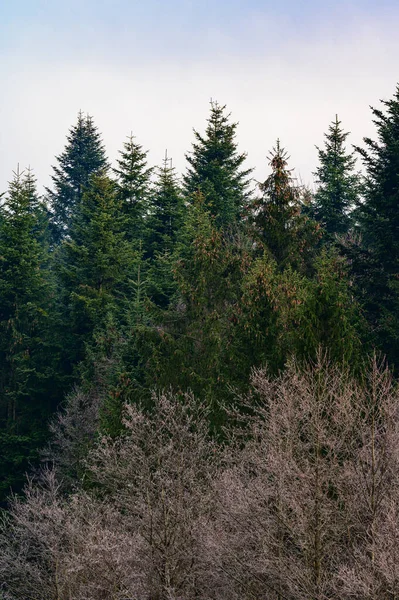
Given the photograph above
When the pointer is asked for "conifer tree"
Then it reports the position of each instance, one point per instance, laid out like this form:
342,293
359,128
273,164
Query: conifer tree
25,303
215,168
203,354
277,214
285,313
379,213
132,185
165,221
95,262
378,266
338,184
167,208
83,156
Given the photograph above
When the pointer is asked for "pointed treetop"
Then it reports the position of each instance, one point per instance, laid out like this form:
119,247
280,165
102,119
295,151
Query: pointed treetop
277,215
280,179
132,173
215,167
166,208
132,187
22,192
379,213
338,185
83,156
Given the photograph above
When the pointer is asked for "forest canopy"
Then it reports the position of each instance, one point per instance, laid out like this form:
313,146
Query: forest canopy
200,371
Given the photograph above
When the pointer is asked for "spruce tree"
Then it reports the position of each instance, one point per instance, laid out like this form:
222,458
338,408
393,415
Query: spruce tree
200,344
338,185
215,168
377,265
379,213
277,216
132,185
95,263
26,357
166,219
83,156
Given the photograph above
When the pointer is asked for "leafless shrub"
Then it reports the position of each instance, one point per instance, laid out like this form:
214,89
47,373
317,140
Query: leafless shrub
75,425
54,548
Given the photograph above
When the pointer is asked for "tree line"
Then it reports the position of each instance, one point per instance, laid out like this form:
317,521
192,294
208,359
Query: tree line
124,285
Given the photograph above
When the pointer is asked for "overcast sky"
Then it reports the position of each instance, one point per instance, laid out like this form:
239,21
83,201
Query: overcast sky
150,67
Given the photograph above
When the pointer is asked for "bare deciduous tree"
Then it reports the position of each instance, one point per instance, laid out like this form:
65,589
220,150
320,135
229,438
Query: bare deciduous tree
159,477
57,549
302,504
369,484
307,501
135,532
73,430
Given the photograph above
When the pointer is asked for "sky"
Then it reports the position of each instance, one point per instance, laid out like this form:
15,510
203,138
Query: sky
150,67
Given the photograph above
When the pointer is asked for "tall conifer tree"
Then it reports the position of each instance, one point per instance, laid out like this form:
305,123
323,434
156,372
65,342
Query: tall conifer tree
166,209
338,184
215,168
132,185
277,214
25,303
378,269
380,212
166,218
95,262
83,156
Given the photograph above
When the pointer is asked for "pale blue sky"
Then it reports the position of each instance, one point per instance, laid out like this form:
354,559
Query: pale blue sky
283,69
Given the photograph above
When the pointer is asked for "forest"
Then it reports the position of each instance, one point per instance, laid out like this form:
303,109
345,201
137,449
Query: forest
199,374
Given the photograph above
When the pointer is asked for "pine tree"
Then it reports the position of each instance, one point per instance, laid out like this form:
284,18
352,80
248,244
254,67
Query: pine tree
377,267
26,357
95,263
215,168
83,156
338,185
277,214
132,185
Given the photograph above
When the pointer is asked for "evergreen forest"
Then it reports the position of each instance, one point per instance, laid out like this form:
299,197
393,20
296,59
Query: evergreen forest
199,372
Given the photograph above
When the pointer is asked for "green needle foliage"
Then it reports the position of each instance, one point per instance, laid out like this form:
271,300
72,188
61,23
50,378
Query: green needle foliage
126,284
215,168
277,216
379,214
167,212
378,263
26,353
83,156
95,263
338,185
132,187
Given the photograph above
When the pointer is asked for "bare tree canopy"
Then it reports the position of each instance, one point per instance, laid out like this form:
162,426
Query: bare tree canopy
301,503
